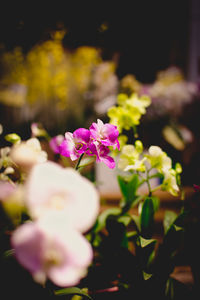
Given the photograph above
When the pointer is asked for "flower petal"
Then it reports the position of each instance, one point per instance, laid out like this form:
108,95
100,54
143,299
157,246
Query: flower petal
53,187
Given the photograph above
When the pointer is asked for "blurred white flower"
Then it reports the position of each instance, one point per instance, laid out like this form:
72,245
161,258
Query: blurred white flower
105,81
64,191
28,153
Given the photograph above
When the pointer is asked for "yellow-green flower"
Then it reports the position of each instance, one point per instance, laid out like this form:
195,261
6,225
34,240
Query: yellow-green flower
158,159
123,118
129,111
169,182
130,158
130,83
139,103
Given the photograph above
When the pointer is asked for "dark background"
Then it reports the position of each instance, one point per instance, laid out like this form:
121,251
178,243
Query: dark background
147,36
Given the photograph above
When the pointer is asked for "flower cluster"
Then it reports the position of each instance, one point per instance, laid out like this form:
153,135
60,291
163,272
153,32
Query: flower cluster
129,110
20,158
94,141
50,82
49,213
132,158
58,232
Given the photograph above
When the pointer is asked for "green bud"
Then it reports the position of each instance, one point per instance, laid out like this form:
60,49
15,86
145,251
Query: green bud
139,146
13,138
178,168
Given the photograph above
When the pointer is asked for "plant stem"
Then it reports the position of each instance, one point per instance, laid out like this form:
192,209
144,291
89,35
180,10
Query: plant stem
148,183
156,188
79,160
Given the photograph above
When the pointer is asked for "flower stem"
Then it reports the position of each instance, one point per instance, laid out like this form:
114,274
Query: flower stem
148,183
79,160
156,188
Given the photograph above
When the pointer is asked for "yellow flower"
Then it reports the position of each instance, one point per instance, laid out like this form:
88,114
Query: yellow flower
129,111
28,153
129,83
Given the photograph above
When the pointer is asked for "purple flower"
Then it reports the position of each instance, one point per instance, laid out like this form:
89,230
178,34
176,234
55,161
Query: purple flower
55,143
75,144
107,134
93,142
101,152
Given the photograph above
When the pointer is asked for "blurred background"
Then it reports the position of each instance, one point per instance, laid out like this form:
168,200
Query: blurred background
63,63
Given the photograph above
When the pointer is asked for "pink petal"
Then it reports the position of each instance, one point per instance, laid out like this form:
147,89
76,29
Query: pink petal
55,143
82,135
67,148
6,189
27,242
109,161
79,256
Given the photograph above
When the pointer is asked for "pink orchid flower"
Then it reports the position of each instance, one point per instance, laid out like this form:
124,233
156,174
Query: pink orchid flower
50,250
55,143
93,142
75,144
101,152
52,188
106,134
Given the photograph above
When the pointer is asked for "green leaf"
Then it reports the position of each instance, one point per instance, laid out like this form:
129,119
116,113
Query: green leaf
175,289
169,289
156,203
147,252
132,234
124,219
8,253
173,239
71,292
146,276
101,221
13,138
169,218
147,217
128,187
146,242
151,258
136,220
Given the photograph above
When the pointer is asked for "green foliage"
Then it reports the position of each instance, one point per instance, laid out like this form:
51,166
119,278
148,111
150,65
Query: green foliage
101,221
128,187
147,217
71,292
169,219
